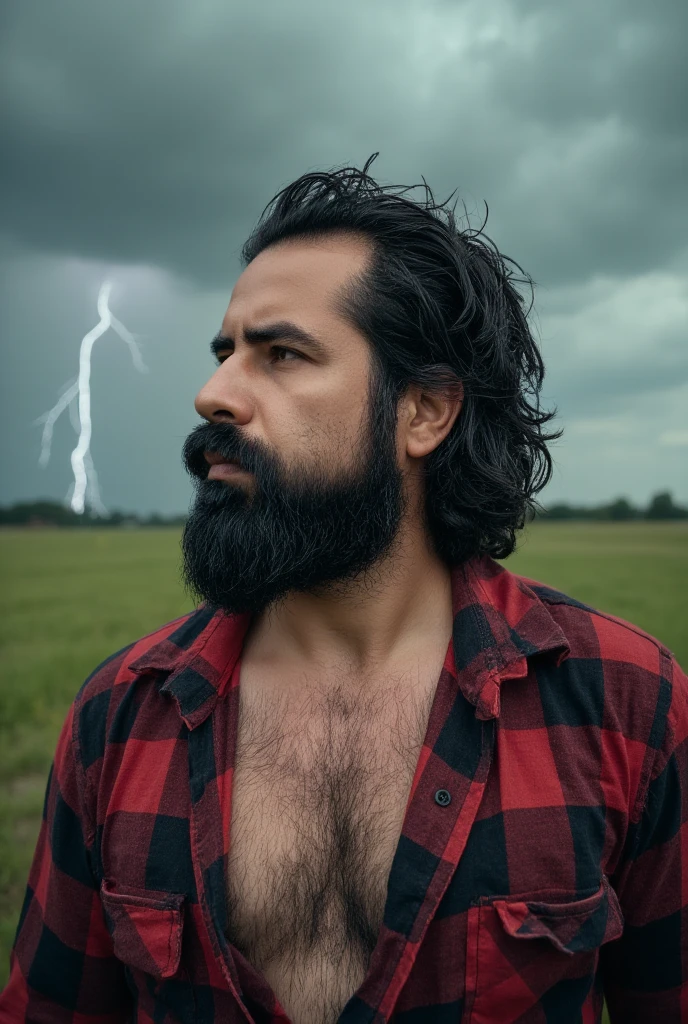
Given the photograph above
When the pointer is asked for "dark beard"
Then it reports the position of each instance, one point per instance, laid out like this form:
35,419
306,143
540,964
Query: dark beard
245,548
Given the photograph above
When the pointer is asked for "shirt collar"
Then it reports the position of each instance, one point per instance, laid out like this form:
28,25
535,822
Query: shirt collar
499,623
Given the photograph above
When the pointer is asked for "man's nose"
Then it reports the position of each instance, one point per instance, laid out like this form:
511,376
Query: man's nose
218,400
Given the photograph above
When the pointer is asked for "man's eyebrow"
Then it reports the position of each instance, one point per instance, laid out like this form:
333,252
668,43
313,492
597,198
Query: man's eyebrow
283,330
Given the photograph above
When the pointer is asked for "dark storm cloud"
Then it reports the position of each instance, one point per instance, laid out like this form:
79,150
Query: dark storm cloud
623,58
156,132
605,84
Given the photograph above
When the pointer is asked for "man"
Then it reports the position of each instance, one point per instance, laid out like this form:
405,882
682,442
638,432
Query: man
375,776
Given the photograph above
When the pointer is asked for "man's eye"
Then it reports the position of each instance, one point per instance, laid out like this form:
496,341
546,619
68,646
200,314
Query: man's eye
290,351
220,357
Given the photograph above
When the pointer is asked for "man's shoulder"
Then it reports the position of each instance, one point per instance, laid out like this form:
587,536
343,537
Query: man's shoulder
593,633
616,675
120,699
164,646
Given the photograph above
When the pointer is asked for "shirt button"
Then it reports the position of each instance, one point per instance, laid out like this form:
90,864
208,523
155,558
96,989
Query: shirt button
443,797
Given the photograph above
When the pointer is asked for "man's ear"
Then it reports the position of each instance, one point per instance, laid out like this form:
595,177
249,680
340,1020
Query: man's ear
429,417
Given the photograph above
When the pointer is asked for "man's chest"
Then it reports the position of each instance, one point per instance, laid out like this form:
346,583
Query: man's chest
319,793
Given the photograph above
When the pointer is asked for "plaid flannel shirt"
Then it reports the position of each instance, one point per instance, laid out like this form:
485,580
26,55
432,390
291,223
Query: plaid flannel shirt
556,872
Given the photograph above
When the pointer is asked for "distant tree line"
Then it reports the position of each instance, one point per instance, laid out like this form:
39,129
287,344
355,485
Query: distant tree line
52,513
661,506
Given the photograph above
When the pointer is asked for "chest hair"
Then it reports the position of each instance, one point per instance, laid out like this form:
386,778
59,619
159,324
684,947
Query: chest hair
319,794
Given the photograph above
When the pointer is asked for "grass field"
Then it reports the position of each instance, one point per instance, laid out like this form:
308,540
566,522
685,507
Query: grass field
70,598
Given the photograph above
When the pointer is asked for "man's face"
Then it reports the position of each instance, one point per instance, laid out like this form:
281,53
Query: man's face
321,499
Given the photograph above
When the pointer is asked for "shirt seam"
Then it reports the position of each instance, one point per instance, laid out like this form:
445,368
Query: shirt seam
477,961
648,774
83,786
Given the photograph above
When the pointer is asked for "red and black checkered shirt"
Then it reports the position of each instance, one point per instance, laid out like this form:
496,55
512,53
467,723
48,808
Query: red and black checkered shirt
556,873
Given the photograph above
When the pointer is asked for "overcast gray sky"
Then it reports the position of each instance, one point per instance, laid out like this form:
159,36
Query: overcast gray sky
142,141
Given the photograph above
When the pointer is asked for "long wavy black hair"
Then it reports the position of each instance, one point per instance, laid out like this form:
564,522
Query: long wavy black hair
439,309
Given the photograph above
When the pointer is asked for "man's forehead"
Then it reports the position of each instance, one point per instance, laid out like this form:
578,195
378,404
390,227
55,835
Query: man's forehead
267,299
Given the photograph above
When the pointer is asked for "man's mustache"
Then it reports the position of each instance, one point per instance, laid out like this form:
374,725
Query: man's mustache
212,437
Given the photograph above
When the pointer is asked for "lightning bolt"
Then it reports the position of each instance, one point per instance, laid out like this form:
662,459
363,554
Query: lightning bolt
78,391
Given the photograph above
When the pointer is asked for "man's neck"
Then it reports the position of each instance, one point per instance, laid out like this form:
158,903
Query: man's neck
367,632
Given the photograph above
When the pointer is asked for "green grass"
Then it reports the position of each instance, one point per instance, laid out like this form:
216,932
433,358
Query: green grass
71,598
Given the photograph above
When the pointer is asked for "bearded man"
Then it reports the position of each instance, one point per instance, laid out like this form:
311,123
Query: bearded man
375,776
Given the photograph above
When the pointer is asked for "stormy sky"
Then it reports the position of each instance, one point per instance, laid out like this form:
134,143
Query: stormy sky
142,140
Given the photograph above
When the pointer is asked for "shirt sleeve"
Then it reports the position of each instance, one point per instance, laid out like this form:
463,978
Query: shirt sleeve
645,972
62,965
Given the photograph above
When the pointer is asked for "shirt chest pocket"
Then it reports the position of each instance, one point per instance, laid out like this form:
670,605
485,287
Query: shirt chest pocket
519,950
146,928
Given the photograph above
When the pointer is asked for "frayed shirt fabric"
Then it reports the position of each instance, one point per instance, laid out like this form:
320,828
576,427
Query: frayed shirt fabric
555,874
